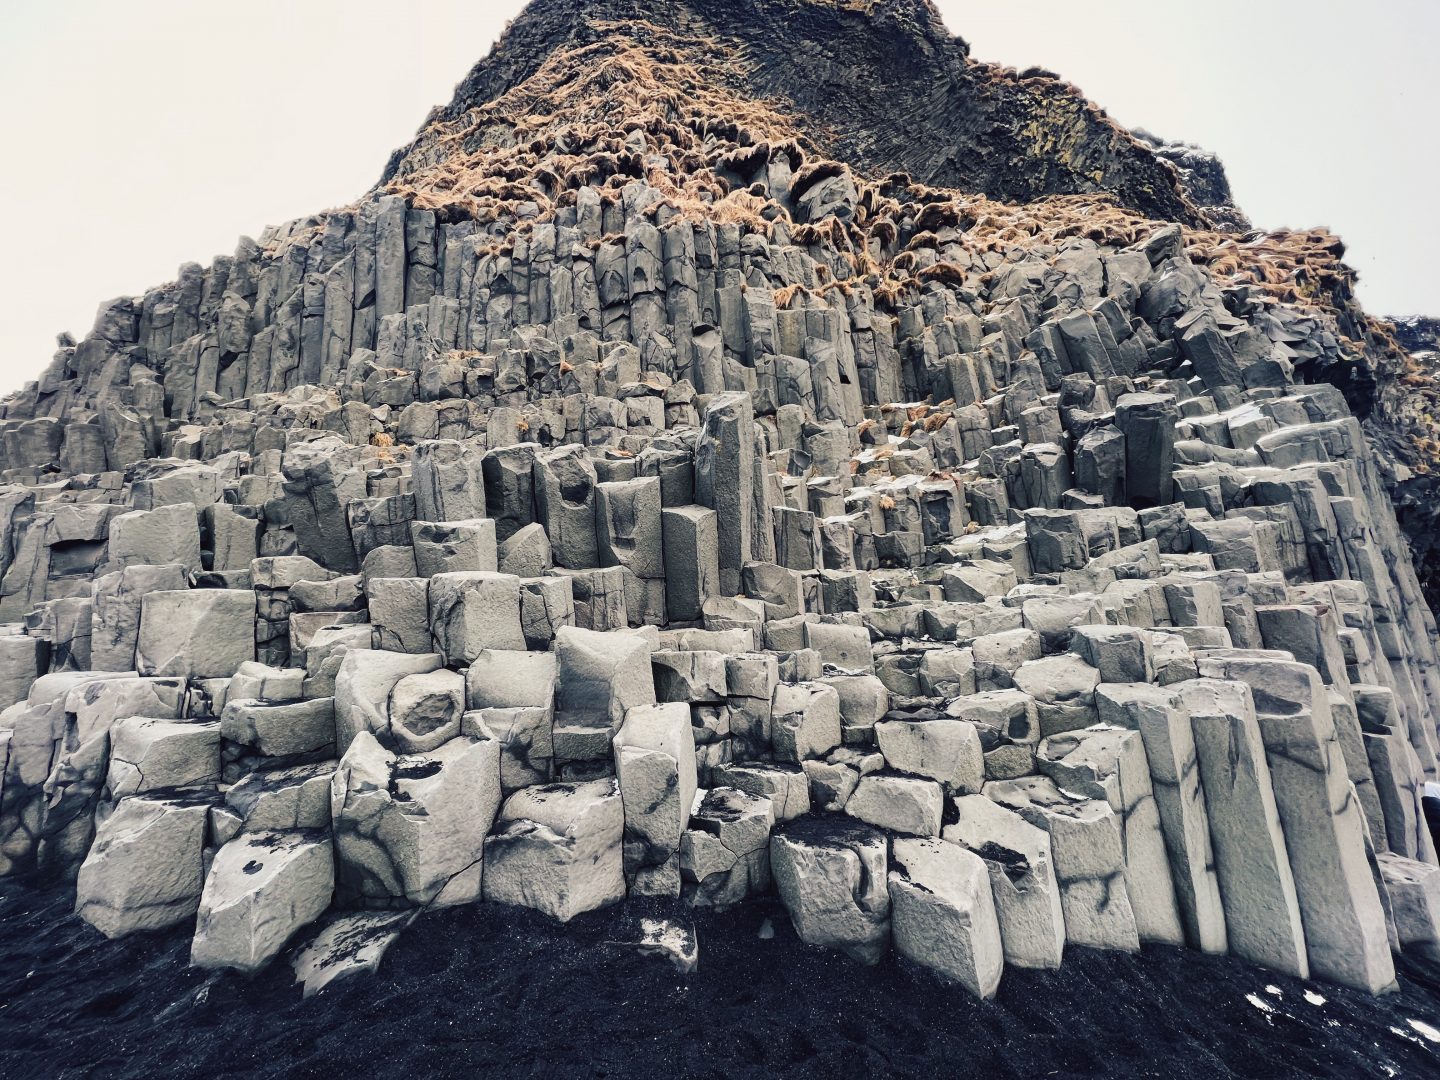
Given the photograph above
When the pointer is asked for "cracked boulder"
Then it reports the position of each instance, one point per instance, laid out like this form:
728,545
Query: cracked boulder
945,750
262,887
425,710
655,768
558,848
1022,879
196,633
725,854
1110,764
942,914
410,829
831,876
150,754
145,870
1088,845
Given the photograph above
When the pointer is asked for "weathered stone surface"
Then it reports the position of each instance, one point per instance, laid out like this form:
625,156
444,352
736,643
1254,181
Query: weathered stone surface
410,830
655,768
1087,841
363,687
831,876
557,848
903,804
262,887
145,870
473,611
945,750
349,944
1175,776
725,854
942,915
1110,764
196,634
1257,888
1022,879
154,754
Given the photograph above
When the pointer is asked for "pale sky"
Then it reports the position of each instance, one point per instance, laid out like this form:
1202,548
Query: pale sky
144,134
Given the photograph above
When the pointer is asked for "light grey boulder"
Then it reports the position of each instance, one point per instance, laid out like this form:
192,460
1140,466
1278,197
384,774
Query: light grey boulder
725,854
627,516
1175,778
863,701
546,605
444,547
1110,764
470,612
410,830
527,741
526,552
655,769
942,914
564,478
804,721
902,804
671,940
254,681
1064,691
557,848
400,613
945,750
363,686
166,535
23,660
1122,654
696,676
691,539
152,754
831,877
1022,879
283,800
601,675
425,710
145,870
77,777
261,889
1414,889
1088,846
786,786
276,731
196,633
499,678
115,615
447,476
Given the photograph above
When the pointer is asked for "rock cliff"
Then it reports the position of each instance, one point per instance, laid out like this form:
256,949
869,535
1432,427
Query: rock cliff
737,447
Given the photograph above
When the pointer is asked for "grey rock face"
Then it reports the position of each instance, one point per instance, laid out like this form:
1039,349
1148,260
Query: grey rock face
410,830
145,870
262,887
558,849
942,915
831,877
1026,579
1251,856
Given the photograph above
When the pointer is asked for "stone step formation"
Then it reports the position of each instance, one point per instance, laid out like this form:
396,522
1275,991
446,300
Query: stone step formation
629,498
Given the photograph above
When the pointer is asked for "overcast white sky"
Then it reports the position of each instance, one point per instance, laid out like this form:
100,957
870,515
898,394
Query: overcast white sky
143,134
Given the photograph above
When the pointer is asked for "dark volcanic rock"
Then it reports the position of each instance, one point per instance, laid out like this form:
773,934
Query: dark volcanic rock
882,85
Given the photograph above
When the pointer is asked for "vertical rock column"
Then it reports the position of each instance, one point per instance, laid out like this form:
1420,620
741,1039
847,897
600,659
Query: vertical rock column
724,476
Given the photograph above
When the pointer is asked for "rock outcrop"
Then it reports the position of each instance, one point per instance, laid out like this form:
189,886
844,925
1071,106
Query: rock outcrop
739,447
